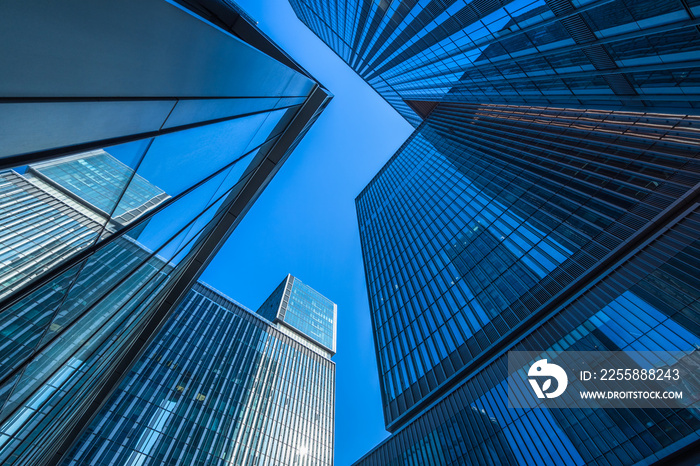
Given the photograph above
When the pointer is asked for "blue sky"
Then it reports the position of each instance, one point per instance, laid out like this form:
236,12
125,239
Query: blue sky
305,221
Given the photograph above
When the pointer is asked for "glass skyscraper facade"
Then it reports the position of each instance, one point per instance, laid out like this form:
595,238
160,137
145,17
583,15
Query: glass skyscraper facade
547,202
219,385
497,231
631,54
474,248
129,155
303,309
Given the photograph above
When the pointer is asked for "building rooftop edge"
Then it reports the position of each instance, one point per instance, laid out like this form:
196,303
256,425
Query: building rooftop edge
263,319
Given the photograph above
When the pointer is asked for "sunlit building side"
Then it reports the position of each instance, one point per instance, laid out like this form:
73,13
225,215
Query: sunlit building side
220,385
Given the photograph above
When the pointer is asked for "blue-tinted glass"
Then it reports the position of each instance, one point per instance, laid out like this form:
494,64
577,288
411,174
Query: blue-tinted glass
200,398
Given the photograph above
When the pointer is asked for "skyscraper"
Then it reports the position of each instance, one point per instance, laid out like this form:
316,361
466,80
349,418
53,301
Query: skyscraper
138,135
299,307
474,249
555,158
222,385
622,54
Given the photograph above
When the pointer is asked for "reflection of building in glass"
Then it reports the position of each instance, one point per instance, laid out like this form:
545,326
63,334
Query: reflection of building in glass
98,180
143,155
554,150
38,230
60,207
220,385
56,214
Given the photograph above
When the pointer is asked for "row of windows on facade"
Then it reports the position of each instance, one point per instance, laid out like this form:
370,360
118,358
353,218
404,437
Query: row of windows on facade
439,224
614,315
279,419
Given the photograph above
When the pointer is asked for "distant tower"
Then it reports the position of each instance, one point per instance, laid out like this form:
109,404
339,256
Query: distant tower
299,307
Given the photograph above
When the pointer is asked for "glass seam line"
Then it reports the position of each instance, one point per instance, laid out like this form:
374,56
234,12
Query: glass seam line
50,154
